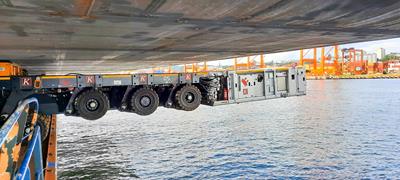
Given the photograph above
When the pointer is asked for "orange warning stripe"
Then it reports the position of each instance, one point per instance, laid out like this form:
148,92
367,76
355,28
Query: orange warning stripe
58,77
4,78
117,76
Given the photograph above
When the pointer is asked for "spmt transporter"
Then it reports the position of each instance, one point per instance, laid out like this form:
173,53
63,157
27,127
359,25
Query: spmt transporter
29,104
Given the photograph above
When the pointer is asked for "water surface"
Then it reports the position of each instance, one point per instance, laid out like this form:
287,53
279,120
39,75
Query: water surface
341,129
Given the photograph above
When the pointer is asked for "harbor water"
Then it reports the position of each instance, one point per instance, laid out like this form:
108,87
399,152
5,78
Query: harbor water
342,129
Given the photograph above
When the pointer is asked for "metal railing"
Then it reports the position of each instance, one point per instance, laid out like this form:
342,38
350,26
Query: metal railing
13,119
34,151
11,135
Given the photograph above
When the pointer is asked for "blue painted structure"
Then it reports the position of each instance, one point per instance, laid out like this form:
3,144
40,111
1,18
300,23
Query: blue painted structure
33,152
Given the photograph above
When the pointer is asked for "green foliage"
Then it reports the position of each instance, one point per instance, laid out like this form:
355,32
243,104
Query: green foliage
390,57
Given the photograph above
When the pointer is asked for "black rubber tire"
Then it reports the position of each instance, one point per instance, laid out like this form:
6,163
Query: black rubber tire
43,122
98,97
188,104
147,107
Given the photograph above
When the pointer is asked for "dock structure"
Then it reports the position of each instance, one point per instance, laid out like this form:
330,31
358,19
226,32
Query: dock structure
349,64
93,36
28,143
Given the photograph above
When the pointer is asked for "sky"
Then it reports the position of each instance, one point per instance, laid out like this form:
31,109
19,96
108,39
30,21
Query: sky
390,45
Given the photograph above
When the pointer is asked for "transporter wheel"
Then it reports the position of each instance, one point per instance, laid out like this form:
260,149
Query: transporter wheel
188,98
144,101
92,104
43,122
